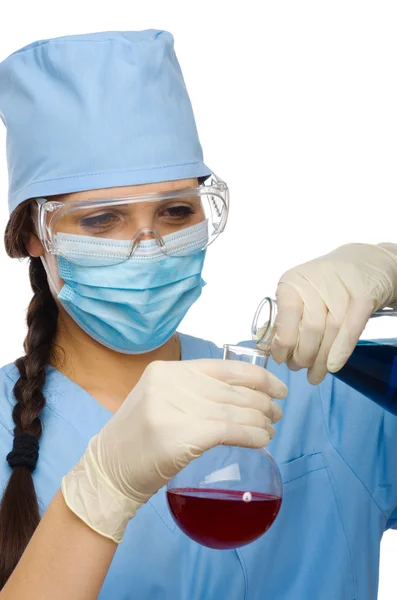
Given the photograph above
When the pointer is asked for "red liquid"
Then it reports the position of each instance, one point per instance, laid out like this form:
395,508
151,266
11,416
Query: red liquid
221,519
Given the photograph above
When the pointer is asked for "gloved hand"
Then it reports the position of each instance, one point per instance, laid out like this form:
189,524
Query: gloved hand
324,305
177,411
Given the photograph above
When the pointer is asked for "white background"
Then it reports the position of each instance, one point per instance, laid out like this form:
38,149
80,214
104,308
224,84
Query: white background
296,105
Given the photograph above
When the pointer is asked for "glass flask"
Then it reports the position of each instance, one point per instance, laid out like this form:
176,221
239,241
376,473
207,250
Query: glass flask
370,370
229,496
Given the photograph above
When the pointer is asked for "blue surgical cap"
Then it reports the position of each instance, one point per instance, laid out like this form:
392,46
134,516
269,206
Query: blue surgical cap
96,111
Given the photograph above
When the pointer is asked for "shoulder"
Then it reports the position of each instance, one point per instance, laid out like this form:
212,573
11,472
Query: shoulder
8,377
192,348
53,391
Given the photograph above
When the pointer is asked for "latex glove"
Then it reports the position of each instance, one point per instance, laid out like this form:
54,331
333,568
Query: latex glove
324,305
177,411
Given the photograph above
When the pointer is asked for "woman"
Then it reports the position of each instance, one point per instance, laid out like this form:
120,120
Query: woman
110,198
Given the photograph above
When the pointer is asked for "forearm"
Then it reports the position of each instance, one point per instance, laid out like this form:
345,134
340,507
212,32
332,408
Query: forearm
65,559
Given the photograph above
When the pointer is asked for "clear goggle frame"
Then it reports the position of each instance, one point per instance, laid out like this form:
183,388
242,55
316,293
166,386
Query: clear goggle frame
178,222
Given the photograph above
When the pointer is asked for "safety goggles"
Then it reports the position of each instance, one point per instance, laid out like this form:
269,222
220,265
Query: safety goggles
178,222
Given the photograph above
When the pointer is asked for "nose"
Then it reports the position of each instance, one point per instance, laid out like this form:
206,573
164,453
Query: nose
147,234
141,219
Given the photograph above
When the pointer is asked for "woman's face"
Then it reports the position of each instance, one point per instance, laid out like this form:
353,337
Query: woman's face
123,221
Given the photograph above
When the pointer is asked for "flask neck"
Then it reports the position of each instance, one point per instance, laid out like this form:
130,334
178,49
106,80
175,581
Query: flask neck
263,324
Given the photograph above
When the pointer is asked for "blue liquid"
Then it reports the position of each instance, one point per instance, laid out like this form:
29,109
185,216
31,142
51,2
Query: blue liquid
372,371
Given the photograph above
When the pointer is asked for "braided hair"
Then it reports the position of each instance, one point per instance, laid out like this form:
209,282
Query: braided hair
19,510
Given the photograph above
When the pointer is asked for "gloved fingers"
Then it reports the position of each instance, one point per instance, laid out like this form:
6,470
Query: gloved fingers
214,411
318,370
240,373
216,433
259,401
228,397
246,417
271,431
311,332
289,314
358,313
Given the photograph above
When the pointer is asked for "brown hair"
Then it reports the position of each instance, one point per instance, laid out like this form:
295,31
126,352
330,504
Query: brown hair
19,510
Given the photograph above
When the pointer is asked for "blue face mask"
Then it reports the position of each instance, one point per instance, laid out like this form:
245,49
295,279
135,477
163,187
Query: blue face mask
135,306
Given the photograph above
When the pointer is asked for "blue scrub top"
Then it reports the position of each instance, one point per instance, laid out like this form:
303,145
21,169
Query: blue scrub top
337,453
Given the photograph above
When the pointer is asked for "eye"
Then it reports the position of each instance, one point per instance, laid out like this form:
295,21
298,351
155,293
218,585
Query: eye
99,222
178,213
